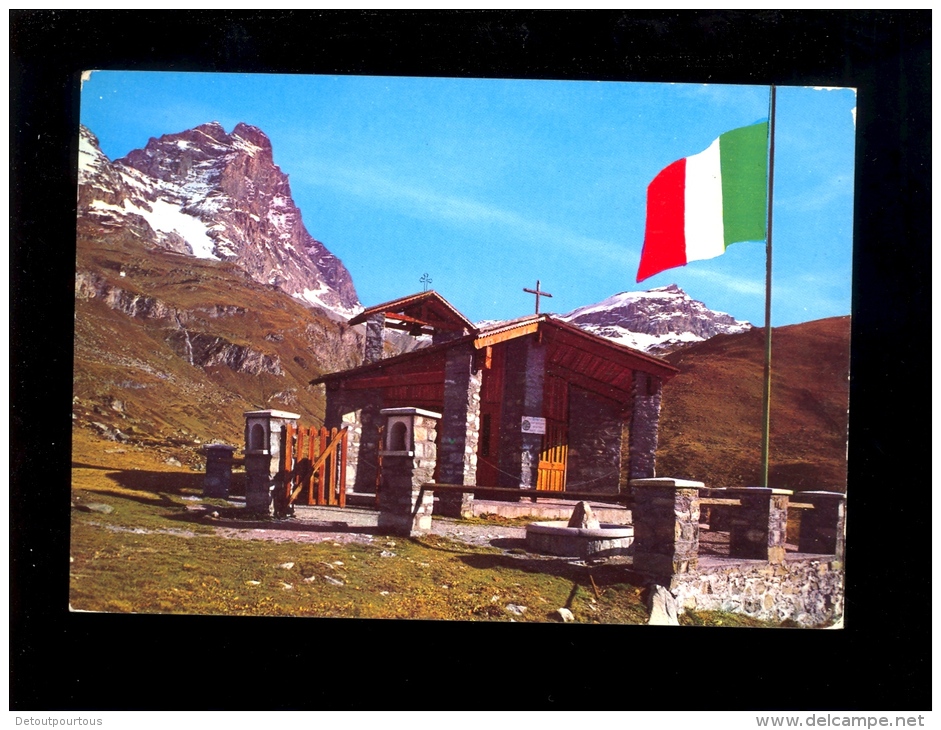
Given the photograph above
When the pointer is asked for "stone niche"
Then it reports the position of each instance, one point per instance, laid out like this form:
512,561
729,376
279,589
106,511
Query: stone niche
263,455
401,426
408,464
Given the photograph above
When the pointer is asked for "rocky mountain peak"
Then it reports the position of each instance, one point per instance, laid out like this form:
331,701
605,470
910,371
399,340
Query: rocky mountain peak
657,321
253,136
210,194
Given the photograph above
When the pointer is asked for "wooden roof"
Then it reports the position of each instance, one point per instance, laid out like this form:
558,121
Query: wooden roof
424,313
598,363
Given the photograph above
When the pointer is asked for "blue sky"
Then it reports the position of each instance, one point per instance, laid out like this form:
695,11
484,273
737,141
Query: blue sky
488,185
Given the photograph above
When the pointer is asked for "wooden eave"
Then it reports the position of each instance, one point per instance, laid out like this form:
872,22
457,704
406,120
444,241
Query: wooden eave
375,369
614,356
427,312
508,331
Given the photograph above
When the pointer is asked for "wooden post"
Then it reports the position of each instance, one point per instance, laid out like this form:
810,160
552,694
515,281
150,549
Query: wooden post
333,467
343,435
311,448
287,454
321,471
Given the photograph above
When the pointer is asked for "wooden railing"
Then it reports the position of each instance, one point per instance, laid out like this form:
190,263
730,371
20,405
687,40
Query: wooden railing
313,460
622,499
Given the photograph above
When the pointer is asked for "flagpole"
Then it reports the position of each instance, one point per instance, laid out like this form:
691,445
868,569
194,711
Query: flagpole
766,401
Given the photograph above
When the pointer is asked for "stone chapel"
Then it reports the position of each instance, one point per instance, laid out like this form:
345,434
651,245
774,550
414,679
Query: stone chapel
532,402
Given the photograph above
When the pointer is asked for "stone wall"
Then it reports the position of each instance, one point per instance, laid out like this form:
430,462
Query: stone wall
519,452
645,426
460,425
594,456
805,589
359,411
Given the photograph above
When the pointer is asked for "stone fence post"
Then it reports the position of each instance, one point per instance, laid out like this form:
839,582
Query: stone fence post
218,479
666,526
823,527
408,462
758,529
263,455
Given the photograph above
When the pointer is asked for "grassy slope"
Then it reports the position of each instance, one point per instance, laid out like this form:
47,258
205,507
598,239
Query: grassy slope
151,555
711,419
164,399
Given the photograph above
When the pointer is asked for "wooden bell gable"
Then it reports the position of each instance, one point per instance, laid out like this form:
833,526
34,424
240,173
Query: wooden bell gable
426,313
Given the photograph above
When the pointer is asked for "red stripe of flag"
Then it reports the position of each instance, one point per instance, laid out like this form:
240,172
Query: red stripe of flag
665,237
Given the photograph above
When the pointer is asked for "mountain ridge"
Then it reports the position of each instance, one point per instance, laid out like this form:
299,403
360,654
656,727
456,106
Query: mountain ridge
209,194
657,321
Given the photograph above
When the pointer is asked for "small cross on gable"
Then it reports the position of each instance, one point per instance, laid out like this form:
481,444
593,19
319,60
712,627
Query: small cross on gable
538,292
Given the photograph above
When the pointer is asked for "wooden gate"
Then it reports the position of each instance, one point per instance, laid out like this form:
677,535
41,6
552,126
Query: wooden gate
313,462
554,457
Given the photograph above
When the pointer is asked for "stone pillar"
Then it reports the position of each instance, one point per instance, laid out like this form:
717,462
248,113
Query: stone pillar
218,470
459,505
758,529
524,378
666,526
358,411
263,455
460,425
645,425
823,528
532,408
372,350
408,463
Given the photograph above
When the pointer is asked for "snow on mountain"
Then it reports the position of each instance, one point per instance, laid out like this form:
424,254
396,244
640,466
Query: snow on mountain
657,321
213,195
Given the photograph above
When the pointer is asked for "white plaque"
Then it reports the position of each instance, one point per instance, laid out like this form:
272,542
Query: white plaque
533,425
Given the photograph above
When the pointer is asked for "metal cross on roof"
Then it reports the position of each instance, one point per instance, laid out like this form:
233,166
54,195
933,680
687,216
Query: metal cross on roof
425,280
538,292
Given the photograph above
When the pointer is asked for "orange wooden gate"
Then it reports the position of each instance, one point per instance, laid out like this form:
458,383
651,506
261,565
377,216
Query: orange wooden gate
553,457
313,461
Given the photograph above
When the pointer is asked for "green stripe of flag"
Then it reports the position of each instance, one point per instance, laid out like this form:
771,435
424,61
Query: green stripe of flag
744,164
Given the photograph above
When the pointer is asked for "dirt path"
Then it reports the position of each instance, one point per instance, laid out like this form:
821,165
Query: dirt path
351,525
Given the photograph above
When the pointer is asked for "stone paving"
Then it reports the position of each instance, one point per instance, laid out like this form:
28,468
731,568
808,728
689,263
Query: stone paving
351,524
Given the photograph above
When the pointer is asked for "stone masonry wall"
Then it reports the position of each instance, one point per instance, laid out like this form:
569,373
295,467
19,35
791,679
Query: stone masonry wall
645,426
807,590
519,452
459,428
594,457
359,411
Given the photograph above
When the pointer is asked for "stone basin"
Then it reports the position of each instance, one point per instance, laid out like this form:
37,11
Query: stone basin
558,538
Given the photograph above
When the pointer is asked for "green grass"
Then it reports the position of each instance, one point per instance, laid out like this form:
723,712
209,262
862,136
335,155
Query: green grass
726,619
428,578
153,555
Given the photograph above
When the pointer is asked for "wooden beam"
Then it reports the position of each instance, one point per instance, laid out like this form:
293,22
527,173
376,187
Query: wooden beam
574,496
408,327
509,334
428,322
391,381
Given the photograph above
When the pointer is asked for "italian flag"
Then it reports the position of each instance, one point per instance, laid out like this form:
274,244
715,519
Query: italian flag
699,205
